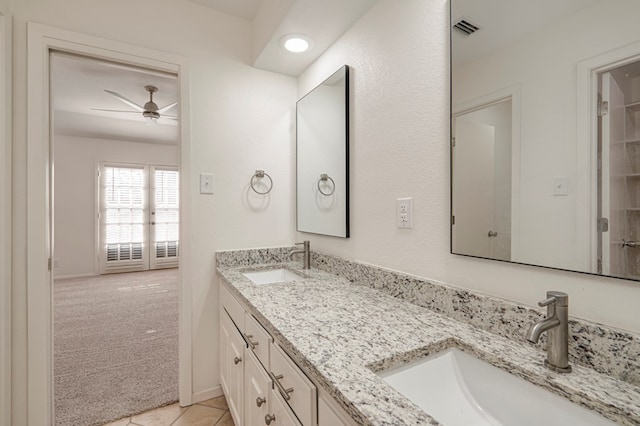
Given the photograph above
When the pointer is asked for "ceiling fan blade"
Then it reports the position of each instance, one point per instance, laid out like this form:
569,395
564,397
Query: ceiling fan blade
125,100
114,110
166,108
172,117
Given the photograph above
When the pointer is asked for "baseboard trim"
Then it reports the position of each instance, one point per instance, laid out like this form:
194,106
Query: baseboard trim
65,277
206,394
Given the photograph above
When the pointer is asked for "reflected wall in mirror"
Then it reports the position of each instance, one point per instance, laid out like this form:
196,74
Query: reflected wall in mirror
545,151
322,163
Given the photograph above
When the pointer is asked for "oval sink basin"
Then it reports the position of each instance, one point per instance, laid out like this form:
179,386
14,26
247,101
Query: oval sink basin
272,276
456,388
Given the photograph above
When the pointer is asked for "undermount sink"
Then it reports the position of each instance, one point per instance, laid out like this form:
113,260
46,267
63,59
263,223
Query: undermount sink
272,276
456,388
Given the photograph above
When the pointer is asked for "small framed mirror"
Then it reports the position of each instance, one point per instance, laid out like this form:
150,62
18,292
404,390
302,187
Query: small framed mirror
322,157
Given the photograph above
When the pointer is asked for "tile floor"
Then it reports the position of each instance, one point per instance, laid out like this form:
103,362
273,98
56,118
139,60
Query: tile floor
213,412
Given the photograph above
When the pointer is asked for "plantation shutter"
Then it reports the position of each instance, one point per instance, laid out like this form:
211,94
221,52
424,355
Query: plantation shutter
165,218
123,219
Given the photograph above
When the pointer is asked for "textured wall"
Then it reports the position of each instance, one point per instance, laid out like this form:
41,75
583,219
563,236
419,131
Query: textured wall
399,148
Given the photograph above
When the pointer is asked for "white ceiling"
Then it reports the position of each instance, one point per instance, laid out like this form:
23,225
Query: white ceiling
245,9
322,21
78,85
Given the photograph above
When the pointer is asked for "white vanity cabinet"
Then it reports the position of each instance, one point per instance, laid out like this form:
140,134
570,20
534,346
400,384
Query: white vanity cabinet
232,353
262,384
280,413
257,391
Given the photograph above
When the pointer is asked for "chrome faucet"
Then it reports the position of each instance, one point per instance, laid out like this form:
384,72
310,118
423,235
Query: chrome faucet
306,261
557,325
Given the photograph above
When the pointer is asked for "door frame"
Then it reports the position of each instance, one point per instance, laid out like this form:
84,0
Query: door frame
513,93
5,218
587,153
41,40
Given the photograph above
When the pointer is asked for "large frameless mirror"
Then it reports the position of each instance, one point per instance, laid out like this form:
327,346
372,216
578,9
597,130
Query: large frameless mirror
545,149
322,123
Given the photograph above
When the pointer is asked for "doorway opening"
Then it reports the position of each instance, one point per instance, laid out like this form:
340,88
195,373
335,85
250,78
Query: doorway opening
115,188
618,176
482,176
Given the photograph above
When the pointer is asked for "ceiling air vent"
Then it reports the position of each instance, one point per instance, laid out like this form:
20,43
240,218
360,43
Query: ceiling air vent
466,27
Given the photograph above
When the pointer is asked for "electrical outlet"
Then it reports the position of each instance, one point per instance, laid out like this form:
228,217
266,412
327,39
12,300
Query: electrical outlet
404,213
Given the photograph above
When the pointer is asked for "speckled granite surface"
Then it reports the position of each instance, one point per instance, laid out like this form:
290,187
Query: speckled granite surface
341,332
607,350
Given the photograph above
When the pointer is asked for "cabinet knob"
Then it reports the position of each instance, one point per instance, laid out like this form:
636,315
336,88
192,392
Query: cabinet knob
260,401
237,360
268,418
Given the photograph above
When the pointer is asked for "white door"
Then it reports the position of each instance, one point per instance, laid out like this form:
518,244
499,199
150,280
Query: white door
613,186
473,199
138,218
165,217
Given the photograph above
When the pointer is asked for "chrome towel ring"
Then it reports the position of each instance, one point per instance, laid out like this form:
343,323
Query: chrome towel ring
259,174
325,178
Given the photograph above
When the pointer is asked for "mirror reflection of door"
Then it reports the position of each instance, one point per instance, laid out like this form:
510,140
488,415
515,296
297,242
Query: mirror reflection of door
481,204
619,174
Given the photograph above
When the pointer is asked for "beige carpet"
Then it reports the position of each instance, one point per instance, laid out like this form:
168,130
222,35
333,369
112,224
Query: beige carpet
115,346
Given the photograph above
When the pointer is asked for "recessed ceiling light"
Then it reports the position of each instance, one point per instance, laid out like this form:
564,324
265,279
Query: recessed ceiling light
295,43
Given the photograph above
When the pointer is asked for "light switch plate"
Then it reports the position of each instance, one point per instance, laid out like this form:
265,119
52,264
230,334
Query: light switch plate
206,183
561,185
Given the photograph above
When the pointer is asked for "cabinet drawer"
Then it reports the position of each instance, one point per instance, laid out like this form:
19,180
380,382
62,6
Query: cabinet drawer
281,414
258,338
232,306
294,387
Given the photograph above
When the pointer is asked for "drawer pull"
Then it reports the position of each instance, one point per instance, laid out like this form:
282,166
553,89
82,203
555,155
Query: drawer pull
260,401
252,345
284,392
237,360
268,418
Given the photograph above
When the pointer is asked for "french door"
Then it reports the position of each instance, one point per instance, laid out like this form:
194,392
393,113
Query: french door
138,217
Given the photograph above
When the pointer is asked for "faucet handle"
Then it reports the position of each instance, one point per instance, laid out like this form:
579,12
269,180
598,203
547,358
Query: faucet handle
305,242
558,297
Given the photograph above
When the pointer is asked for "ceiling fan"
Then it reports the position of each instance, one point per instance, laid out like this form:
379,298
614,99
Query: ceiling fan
150,110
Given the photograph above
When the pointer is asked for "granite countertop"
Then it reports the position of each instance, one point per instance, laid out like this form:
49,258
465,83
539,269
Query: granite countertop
341,334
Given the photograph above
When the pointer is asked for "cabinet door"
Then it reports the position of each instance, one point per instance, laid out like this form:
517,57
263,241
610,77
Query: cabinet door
294,386
279,414
256,385
328,416
235,379
224,344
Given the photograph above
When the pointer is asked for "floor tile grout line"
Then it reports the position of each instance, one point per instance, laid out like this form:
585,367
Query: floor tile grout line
181,414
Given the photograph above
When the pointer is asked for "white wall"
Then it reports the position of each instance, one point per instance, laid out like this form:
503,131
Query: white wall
400,131
242,119
75,163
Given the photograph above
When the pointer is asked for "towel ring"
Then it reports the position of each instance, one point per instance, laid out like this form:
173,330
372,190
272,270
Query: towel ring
259,174
324,178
